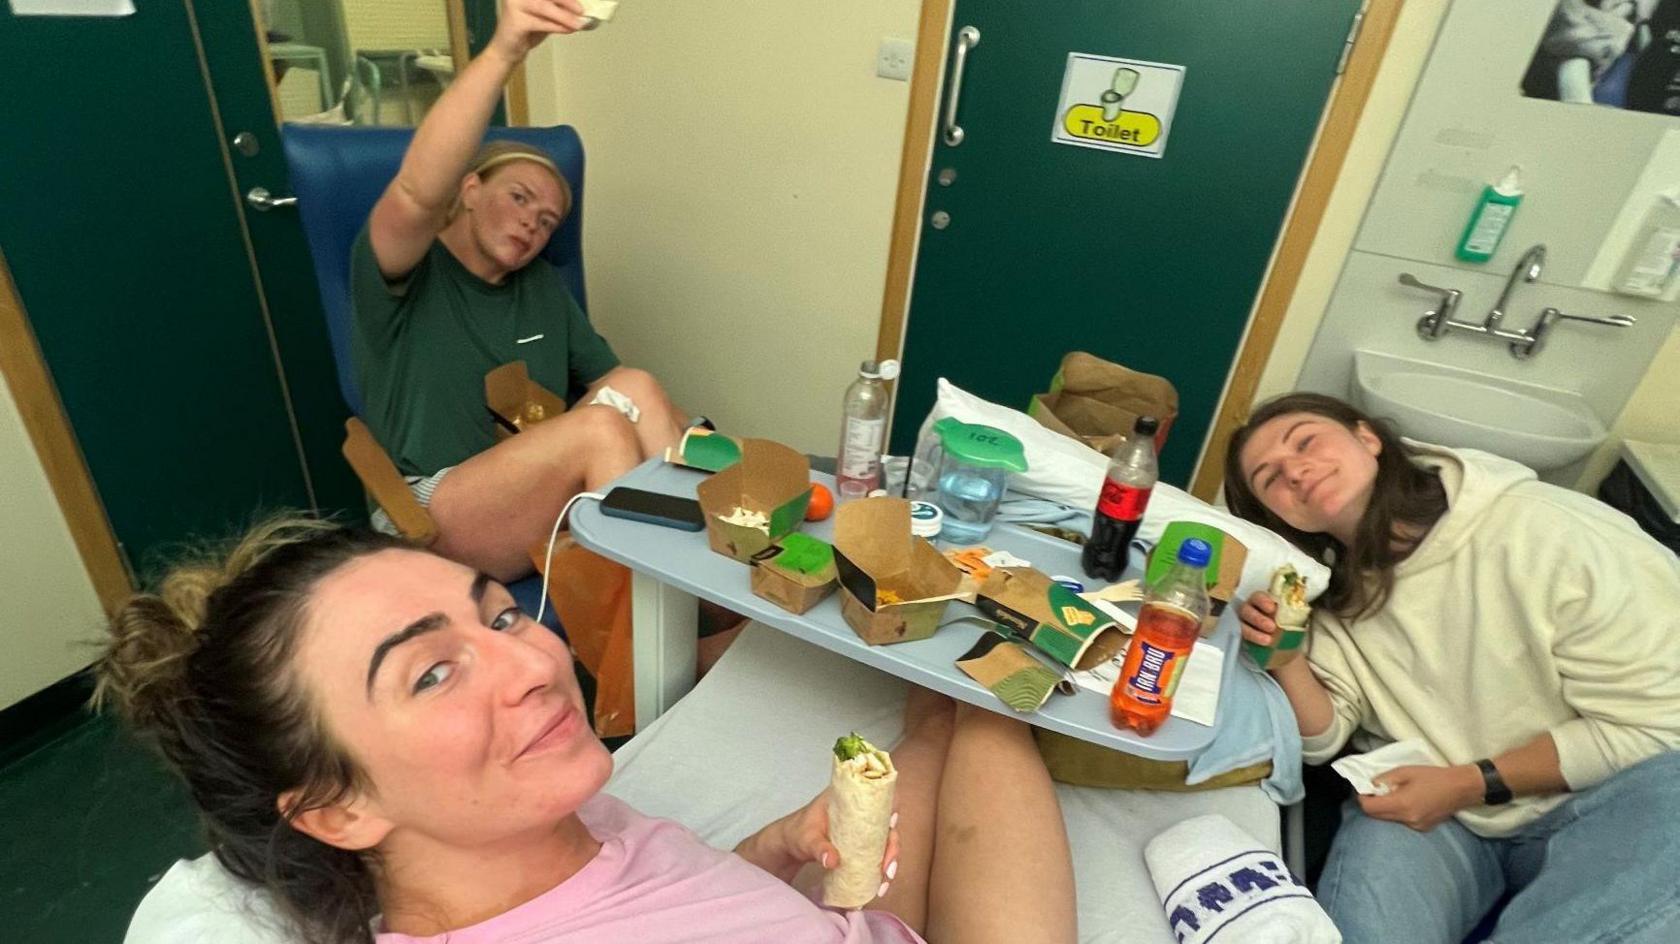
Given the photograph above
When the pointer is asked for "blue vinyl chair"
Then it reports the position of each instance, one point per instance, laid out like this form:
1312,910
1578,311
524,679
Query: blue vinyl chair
337,174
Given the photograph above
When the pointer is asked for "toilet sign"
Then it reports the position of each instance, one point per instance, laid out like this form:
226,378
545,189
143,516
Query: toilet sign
1114,104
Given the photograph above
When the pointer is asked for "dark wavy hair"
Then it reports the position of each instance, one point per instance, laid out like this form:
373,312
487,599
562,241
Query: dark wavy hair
203,668
1406,501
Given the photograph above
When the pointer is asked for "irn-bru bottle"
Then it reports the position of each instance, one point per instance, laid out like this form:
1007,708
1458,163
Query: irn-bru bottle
1168,625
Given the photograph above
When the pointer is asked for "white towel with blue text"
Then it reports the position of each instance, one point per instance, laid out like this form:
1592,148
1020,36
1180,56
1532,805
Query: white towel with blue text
1217,883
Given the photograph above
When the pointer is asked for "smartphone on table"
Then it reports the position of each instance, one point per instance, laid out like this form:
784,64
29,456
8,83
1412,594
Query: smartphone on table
654,508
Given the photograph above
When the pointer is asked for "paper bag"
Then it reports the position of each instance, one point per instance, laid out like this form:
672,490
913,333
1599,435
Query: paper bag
1097,402
591,596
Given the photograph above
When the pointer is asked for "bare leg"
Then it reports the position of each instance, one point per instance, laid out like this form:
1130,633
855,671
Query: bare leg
920,758
496,505
661,424
711,648
999,824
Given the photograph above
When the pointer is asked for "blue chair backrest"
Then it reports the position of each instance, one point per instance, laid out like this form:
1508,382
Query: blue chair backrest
338,173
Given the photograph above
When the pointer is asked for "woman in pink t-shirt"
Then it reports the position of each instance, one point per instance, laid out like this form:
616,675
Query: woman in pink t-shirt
382,740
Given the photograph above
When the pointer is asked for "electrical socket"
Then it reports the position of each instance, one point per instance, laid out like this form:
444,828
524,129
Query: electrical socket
893,59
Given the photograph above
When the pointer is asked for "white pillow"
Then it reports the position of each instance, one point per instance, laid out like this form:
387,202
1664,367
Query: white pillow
199,902
1065,470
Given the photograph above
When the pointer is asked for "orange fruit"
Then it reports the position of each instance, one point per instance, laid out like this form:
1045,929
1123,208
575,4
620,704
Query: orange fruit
822,503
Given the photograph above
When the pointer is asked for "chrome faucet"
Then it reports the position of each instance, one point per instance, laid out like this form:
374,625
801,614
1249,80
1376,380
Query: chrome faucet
1528,268
1524,344
1550,317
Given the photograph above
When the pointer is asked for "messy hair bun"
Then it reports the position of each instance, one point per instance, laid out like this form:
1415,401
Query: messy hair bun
143,672
202,666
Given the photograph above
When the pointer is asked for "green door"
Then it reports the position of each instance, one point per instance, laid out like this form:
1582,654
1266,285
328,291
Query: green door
1030,249
124,240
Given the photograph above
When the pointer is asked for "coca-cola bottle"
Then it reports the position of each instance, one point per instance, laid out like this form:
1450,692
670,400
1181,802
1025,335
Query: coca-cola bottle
1125,492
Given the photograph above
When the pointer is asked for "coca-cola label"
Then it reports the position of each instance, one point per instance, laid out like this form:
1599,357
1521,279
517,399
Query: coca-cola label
1122,502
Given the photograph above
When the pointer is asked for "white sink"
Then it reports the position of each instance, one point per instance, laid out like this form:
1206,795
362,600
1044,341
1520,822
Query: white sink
1540,427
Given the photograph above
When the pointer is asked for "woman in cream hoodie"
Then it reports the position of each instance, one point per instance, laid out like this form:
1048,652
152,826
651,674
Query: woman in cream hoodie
1528,634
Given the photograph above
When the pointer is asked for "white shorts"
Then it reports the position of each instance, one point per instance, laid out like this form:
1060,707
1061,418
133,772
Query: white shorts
423,487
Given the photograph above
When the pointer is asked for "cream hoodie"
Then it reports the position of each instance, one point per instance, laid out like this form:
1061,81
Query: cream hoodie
1527,608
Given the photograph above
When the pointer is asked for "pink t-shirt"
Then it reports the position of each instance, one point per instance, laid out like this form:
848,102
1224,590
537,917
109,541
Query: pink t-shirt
655,882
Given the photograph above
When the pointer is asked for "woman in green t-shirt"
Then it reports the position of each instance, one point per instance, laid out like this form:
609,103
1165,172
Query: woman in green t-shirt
446,285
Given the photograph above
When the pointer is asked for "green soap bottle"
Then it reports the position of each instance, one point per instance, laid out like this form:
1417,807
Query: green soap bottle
1492,218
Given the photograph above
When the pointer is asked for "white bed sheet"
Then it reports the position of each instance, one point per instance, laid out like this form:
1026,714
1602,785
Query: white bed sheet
774,704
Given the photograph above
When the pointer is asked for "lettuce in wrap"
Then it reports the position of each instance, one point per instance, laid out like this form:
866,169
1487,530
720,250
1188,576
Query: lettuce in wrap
860,807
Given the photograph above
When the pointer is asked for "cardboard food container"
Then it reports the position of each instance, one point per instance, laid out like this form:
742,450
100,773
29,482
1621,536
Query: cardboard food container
894,586
770,479
517,401
1051,617
704,450
1291,643
1224,568
795,574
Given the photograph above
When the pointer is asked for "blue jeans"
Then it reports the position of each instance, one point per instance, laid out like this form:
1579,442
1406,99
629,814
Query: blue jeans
1602,867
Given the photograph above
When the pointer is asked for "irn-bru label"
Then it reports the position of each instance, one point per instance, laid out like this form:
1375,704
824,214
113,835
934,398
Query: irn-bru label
1122,502
1154,678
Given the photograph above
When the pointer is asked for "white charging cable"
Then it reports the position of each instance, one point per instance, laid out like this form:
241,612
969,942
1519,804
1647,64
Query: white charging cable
548,558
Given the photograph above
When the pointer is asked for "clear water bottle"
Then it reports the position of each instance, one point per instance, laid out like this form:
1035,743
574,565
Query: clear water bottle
863,431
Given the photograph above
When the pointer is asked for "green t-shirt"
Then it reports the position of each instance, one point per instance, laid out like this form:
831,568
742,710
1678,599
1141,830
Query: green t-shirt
422,345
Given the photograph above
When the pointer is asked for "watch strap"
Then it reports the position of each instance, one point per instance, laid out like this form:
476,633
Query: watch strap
1494,790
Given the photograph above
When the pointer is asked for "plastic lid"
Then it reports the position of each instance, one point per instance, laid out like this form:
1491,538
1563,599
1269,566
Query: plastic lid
926,519
1195,552
1146,425
879,370
985,446
1511,184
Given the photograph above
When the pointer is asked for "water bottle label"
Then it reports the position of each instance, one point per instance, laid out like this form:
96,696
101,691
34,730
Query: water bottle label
1122,502
860,454
1156,676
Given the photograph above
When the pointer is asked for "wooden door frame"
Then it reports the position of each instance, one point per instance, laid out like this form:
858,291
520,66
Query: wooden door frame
25,374
1324,165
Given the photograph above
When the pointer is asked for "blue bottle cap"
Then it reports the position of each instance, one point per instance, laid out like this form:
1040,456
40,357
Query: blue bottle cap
1195,552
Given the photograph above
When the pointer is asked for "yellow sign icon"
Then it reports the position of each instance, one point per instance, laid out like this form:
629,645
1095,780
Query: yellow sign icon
1074,616
1135,128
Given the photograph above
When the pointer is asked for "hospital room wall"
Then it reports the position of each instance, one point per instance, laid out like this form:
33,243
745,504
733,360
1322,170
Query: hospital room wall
742,166
51,608
1647,415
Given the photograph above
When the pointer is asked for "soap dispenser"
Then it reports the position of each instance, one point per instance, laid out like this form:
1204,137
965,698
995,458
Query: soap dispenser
1492,217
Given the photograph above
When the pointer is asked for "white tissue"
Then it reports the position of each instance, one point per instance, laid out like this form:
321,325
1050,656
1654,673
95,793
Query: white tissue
607,396
602,10
1362,769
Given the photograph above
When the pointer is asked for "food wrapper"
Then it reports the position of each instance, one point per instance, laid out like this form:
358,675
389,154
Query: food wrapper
1289,589
860,808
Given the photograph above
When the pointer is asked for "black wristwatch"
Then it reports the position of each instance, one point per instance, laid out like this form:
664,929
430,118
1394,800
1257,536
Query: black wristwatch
1494,790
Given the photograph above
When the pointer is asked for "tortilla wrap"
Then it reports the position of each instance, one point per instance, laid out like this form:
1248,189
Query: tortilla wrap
860,808
1289,589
